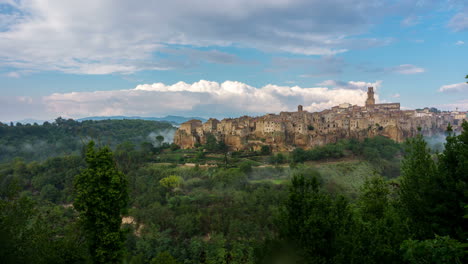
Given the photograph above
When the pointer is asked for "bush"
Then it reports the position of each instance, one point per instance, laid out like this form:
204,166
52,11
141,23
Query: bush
245,167
265,150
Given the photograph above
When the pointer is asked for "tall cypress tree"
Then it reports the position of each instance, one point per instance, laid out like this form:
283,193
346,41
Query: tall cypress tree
101,199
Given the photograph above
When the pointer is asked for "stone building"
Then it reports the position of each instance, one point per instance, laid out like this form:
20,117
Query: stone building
287,130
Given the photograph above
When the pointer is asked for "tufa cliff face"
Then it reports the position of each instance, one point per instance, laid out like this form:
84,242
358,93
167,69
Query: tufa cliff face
289,130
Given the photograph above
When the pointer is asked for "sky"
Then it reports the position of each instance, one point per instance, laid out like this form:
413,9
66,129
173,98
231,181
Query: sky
213,58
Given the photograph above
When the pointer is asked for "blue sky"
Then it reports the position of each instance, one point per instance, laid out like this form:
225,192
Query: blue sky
86,58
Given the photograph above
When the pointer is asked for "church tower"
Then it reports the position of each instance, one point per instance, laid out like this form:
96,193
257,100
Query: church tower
370,97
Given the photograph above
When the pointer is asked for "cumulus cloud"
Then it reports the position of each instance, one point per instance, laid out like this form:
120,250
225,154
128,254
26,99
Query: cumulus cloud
203,98
457,87
459,43
101,37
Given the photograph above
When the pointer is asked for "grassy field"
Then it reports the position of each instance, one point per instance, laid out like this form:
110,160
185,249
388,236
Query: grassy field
344,176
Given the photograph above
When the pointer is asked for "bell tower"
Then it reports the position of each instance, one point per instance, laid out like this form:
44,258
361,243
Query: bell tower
370,97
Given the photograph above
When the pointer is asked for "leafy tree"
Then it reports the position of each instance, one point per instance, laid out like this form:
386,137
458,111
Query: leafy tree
224,149
434,194
299,155
245,167
211,143
101,199
314,223
417,187
452,183
374,199
171,182
160,140
379,229
174,147
265,150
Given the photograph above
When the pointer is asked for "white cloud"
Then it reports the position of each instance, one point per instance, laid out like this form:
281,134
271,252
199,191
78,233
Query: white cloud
406,69
397,95
101,37
203,98
459,43
457,87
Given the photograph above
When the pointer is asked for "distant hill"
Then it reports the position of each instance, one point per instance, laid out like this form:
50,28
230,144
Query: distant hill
171,119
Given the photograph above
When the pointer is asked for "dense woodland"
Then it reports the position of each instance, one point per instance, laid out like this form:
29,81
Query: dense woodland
33,142
374,201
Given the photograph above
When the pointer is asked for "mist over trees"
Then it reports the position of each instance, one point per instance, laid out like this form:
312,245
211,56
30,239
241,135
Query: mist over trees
67,136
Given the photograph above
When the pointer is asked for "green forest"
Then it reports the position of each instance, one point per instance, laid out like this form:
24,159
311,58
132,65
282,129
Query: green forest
33,142
115,191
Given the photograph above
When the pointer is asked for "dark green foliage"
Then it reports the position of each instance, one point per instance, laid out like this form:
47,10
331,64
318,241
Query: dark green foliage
443,250
374,199
174,147
452,186
318,153
101,199
265,150
240,213
313,222
279,158
418,186
211,143
66,136
164,258
32,235
433,194
378,229
379,150
245,167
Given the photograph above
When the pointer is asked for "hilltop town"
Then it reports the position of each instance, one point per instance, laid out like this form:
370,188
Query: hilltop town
304,129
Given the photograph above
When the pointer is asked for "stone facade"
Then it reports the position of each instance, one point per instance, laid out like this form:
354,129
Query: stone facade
289,130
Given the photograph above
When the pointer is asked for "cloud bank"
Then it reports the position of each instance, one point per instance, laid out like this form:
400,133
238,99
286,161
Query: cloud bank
203,98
